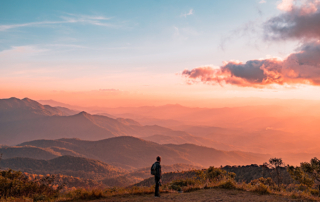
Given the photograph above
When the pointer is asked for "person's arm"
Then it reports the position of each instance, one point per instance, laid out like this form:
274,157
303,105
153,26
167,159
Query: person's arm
160,173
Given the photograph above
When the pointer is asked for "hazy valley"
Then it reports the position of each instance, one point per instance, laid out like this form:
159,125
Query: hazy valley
112,148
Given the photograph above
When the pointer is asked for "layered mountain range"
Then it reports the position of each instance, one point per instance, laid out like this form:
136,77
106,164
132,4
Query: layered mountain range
24,120
33,125
274,126
131,152
42,139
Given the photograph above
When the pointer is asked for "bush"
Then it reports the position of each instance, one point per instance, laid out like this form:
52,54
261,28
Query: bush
302,187
314,192
265,181
190,189
177,184
228,184
15,184
215,173
261,189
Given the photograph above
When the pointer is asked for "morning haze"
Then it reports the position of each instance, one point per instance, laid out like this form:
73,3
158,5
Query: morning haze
219,98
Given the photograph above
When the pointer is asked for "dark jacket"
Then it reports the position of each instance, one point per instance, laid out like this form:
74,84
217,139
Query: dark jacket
158,169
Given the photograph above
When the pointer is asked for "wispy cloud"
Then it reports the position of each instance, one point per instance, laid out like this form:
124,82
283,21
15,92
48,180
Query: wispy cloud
87,19
184,33
248,31
262,2
21,50
186,14
65,46
178,35
68,18
30,24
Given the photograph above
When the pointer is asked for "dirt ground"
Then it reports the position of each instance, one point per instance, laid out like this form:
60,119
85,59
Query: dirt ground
209,195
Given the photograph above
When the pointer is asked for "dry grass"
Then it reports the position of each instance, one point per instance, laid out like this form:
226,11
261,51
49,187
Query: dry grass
203,195
223,189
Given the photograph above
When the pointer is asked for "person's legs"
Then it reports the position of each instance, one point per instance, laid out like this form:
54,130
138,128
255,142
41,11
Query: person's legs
156,192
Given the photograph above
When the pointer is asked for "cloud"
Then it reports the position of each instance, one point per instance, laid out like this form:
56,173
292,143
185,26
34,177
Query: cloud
300,21
109,90
6,27
68,18
262,2
302,67
186,14
285,5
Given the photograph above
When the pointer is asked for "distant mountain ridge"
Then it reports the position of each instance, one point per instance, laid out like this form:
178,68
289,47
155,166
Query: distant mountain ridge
14,109
25,120
131,153
36,152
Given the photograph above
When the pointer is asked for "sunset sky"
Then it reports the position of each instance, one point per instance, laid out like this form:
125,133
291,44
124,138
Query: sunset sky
134,53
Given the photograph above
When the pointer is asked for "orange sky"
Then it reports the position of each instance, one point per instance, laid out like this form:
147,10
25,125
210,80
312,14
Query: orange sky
201,95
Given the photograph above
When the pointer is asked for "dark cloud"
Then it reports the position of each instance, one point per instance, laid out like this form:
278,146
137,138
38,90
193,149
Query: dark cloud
299,22
300,67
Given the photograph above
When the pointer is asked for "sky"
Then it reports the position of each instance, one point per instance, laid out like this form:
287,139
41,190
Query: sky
134,53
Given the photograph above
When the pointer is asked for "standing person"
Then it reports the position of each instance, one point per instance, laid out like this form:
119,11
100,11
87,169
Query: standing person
156,171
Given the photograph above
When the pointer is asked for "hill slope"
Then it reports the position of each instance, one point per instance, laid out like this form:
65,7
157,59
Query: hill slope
144,173
29,152
65,165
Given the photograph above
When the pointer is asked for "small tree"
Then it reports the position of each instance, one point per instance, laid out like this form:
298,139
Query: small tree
276,164
307,173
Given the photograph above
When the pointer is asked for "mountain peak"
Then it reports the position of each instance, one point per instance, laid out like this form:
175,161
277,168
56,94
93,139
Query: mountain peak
84,113
28,99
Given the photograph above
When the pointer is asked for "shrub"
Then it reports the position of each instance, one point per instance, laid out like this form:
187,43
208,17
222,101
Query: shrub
261,189
215,173
15,184
266,181
228,184
302,187
294,196
177,184
314,192
291,187
190,189
231,175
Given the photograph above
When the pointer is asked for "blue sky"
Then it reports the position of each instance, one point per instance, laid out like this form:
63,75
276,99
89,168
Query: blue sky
135,34
88,45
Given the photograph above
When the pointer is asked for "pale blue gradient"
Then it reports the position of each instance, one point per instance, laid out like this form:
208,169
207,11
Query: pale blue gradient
103,37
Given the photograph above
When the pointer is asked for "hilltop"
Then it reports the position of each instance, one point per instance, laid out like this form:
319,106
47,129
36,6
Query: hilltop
144,173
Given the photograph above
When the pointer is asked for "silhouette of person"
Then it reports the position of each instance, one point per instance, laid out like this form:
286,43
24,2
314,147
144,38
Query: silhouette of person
157,177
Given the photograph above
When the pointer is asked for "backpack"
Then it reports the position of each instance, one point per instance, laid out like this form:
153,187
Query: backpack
154,169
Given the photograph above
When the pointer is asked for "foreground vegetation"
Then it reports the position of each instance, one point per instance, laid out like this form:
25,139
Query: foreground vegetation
14,184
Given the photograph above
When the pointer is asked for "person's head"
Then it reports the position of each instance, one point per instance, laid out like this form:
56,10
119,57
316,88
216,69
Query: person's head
158,158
